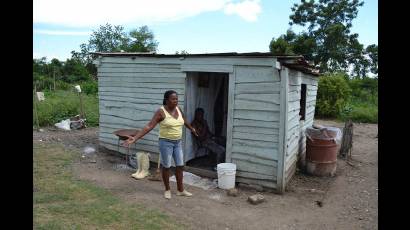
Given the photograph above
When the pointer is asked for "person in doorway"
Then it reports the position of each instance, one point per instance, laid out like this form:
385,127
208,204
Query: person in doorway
171,120
205,137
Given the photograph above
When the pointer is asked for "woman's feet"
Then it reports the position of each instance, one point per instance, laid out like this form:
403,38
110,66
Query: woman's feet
167,194
184,193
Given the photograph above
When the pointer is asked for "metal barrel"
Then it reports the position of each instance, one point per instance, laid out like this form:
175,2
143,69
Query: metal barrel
321,157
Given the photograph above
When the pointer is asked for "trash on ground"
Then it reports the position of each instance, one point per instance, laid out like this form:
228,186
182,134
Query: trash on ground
122,167
64,124
233,192
89,150
256,199
90,161
77,122
215,196
89,155
73,123
197,181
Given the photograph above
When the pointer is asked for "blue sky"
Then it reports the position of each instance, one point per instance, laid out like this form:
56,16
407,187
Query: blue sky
197,26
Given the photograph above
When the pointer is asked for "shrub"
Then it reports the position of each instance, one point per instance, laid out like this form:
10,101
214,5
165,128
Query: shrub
362,112
89,87
365,115
61,105
332,96
61,85
365,90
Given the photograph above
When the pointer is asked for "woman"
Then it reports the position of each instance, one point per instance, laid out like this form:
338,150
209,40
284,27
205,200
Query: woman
205,138
171,120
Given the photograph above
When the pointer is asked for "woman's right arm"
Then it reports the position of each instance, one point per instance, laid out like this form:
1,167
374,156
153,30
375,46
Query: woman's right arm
158,117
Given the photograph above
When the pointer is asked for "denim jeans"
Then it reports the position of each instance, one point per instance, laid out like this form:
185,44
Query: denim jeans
171,149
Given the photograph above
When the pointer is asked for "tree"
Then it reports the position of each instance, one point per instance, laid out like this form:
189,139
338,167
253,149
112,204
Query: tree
39,65
141,40
284,45
372,52
333,95
328,41
74,71
107,38
110,38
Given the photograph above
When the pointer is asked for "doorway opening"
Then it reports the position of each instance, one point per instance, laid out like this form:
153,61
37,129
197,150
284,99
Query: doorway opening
208,91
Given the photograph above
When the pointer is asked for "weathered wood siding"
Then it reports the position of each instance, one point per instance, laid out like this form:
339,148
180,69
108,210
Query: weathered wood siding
130,91
255,130
296,141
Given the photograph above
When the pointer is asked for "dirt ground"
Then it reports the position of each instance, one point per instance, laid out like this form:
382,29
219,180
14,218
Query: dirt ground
349,200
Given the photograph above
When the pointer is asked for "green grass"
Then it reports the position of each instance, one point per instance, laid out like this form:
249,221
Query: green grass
364,112
61,105
62,202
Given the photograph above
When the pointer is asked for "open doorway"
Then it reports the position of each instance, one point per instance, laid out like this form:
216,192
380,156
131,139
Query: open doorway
208,91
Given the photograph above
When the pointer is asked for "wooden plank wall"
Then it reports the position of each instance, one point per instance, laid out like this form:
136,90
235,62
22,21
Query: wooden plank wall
255,131
130,91
296,141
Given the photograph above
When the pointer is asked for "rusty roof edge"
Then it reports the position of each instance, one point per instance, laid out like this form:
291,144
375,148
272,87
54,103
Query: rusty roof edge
304,68
297,62
153,54
300,64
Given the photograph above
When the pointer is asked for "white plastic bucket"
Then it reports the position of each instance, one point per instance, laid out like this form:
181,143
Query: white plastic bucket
226,175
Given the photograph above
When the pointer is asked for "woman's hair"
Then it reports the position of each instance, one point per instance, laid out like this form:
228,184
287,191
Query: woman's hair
166,96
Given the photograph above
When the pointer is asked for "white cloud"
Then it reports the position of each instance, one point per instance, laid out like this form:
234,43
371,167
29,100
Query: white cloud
80,13
62,32
248,9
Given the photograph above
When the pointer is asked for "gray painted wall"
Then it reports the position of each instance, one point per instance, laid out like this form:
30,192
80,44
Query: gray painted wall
255,135
131,89
296,140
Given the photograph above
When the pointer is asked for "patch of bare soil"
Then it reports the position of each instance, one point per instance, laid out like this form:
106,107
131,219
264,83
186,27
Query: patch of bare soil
346,201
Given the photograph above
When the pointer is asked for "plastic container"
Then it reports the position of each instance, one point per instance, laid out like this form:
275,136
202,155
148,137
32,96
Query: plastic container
226,175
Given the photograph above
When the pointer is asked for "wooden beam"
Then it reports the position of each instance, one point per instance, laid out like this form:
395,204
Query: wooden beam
283,126
201,172
229,125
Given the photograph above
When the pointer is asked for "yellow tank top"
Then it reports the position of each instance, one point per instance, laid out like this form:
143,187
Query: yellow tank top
171,128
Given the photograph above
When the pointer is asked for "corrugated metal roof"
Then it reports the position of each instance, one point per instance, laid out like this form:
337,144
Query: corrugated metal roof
296,62
299,64
152,54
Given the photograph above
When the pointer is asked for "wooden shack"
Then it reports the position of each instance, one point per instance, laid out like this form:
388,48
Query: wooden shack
260,103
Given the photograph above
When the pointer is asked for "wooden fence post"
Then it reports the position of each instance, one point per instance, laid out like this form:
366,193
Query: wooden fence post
35,106
347,140
81,106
